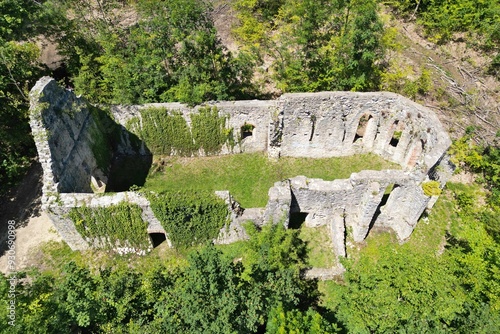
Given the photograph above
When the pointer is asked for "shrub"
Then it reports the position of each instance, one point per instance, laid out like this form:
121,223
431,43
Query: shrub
431,188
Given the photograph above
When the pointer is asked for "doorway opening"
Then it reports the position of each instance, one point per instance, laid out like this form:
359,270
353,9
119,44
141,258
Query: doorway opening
157,239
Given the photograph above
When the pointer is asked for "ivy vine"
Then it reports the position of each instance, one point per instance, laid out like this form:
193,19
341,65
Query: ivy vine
189,218
208,129
119,224
166,132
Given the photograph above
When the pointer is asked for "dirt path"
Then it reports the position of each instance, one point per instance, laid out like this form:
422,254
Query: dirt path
33,227
29,238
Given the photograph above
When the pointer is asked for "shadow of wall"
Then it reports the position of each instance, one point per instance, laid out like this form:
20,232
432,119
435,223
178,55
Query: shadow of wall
81,148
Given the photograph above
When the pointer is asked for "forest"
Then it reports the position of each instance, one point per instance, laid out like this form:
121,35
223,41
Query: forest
445,279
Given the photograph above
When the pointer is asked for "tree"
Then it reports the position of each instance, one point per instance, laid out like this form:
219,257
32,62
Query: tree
20,22
171,52
315,45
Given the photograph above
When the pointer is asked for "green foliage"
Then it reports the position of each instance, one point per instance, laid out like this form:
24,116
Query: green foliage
112,226
431,188
214,285
393,292
442,19
397,78
494,68
18,70
189,218
209,130
166,132
315,45
78,291
210,294
294,321
485,160
172,53
267,247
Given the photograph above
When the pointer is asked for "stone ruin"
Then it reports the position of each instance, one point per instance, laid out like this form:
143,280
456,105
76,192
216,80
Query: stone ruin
79,148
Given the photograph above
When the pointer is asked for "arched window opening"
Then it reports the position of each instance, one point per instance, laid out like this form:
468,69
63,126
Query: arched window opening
396,135
362,125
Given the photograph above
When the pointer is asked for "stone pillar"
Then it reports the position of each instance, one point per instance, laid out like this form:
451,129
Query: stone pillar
371,194
383,136
337,232
278,206
370,133
402,148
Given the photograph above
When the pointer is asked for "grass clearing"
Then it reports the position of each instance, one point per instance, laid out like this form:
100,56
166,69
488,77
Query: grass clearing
249,176
319,246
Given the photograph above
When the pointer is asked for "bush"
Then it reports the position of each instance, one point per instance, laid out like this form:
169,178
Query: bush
431,188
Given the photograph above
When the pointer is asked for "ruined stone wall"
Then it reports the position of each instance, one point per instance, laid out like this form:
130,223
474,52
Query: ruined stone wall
59,213
300,125
255,113
62,126
333,124
329,124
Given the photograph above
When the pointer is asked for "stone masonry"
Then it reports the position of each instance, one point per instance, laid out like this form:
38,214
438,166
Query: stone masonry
315,125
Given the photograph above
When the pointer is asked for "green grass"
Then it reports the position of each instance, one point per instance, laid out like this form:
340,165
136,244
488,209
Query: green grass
319,246
53,255
249,176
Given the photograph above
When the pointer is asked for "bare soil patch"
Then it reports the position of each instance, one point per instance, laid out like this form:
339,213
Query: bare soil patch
463,95
29,238
23,206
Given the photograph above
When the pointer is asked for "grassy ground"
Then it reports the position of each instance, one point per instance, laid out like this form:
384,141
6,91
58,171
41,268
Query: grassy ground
319,246
249,176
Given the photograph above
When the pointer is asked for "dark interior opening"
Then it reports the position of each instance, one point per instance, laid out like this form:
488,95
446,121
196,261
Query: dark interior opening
247,130
394,141
313,125
296,219
396,135
61,74
157,238
362,125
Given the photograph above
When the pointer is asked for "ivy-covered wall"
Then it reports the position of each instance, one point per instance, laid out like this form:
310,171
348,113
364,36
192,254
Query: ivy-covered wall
166,132
116,225
190,218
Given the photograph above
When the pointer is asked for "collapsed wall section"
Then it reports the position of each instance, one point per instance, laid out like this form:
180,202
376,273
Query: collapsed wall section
370,199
